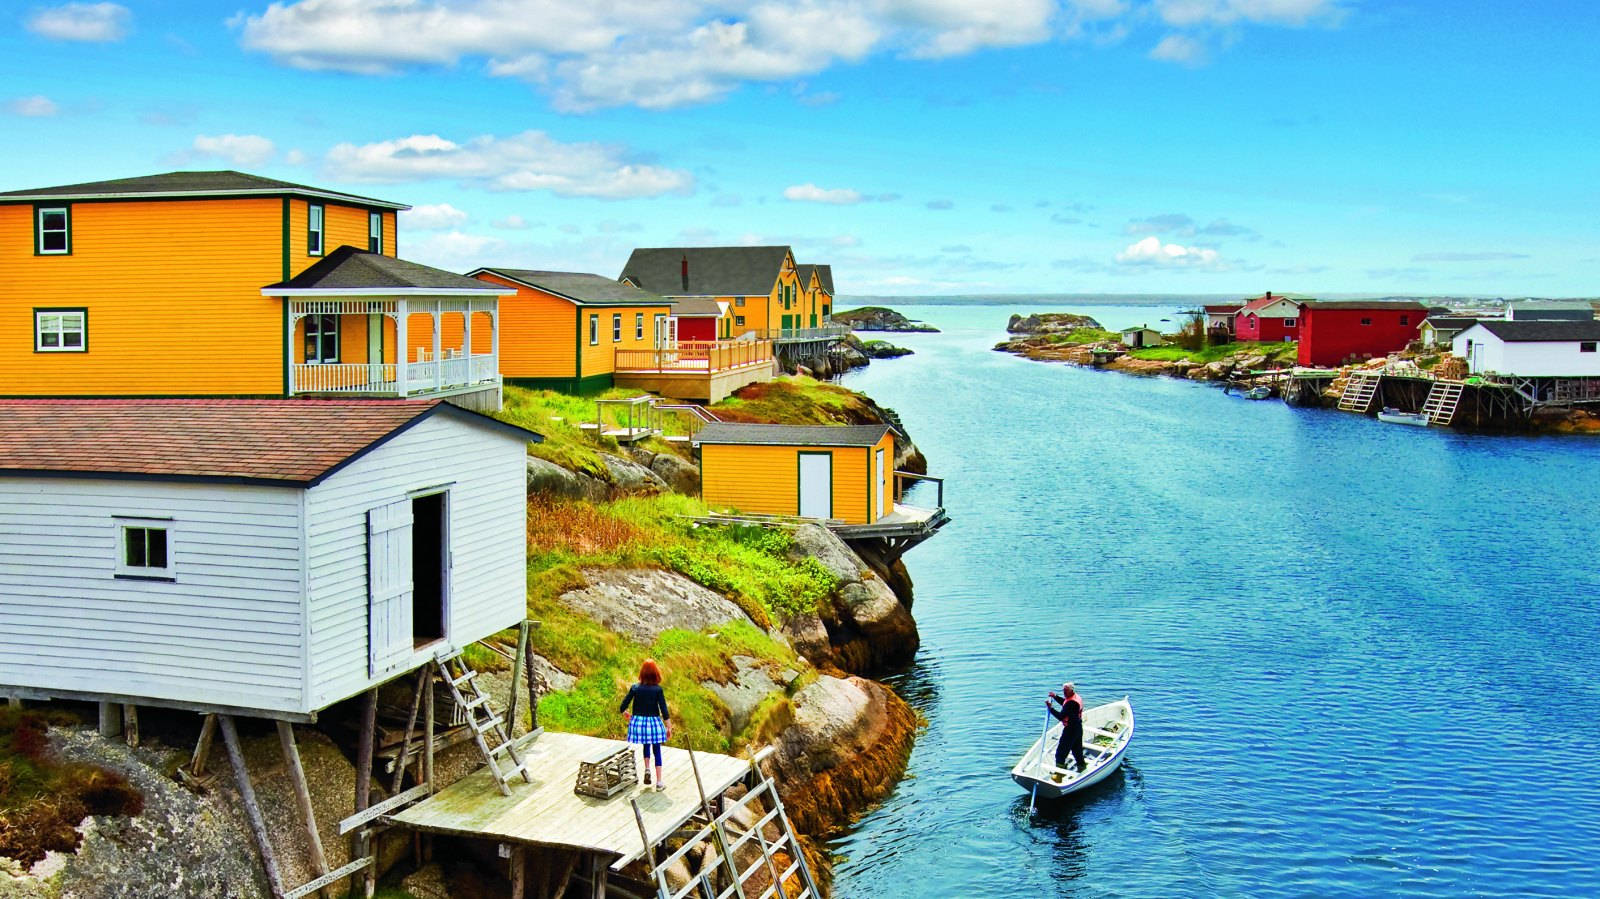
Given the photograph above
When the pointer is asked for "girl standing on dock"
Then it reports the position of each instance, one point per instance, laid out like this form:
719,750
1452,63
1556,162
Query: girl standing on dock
648,724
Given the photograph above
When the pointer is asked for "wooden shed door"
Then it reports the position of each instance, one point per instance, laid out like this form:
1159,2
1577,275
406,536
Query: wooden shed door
816,485
879,481
389,586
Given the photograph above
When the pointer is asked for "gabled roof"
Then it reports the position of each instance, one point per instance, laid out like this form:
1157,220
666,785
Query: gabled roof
790,435
1450,322
349,271
286,443
1266,300
1539,330
1375,305
1138,328
188,184
1229,308
824,275
696,307
713,271
579,287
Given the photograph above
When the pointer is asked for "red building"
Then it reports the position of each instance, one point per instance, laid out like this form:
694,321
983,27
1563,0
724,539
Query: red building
1269,317
698,319
1333,332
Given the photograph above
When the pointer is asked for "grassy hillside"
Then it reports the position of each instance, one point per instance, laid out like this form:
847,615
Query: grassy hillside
1276,353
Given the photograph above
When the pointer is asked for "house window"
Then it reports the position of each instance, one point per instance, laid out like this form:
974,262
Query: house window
143,550
738,301
322,339
375,232
1290,322
1586,346
827,310
53,231
1366,321
616,327
638,326
594,330
60,330
1405,319
738,320
314,229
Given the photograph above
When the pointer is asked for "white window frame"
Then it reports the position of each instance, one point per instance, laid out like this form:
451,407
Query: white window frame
375,232
125,525
65,230
316,223
594,329
61,331
616,327
638,326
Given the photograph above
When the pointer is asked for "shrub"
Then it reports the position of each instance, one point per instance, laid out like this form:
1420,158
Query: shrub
42,798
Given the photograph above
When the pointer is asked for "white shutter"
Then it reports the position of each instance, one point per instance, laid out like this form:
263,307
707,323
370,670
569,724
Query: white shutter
389,587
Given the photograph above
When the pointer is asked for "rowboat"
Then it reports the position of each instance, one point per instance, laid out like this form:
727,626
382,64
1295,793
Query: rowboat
1395,416
1258,393
1107,731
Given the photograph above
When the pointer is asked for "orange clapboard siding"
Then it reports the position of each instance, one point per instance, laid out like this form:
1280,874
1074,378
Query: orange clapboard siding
452,327
765,480
341,225
173,293
601,358
538,332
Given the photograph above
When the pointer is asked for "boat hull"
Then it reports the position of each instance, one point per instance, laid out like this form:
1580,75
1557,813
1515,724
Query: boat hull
1035,772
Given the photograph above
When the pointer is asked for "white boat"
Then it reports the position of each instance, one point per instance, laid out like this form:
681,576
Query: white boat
1107,731
1395,416
1258,393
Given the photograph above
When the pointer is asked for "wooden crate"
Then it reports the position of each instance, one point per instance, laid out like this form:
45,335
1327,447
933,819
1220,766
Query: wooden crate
606,773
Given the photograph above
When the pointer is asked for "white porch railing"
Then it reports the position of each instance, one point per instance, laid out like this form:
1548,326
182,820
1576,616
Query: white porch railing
384,378
353,377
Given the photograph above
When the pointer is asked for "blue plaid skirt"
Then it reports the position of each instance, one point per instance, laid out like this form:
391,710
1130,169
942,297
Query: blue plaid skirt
646,730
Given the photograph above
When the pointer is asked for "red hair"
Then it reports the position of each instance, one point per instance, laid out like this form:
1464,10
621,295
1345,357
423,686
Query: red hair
649,673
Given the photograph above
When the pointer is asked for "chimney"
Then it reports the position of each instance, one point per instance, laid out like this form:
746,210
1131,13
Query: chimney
1269,294
686,274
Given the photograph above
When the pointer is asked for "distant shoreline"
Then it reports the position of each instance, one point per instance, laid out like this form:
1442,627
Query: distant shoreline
1132,299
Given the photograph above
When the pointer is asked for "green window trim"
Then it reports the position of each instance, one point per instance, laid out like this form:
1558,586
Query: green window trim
316,229
39,212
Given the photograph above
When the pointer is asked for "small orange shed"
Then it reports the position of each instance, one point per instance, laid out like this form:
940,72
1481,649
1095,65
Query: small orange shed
840,472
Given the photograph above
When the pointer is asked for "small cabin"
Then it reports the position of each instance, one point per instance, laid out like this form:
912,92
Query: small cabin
838,472
1440,330
1142,336
1531,348
255,557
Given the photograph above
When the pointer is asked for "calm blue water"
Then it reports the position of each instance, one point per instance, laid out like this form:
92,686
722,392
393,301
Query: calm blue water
1363,657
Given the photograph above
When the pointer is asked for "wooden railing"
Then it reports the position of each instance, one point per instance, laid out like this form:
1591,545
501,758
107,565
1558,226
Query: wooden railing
344,378
388,378
695,357
826,332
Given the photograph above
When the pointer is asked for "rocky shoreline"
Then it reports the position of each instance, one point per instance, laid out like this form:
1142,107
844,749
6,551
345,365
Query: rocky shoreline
881,318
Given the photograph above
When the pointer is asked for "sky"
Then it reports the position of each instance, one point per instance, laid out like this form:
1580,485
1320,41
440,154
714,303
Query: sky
918,146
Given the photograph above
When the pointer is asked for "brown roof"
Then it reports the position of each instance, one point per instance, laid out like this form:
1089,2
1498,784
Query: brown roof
283,442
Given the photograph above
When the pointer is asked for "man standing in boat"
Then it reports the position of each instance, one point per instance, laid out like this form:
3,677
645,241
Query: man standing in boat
1071,717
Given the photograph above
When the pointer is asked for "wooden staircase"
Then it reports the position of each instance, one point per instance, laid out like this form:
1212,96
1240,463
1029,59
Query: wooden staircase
485,723
1443,398
1359,393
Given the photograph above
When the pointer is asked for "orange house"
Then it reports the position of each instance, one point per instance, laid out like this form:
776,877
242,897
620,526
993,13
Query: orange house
818,281
565,330
759,287
125,286
843,473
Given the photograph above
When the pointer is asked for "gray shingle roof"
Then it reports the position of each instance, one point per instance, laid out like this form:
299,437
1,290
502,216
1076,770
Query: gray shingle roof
189,184
713,271
824,274
1451,322
791,435
348,268
1541,330
696,306
581,287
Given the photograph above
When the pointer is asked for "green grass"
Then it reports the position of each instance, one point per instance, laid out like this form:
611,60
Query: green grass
1275,352
557,416
1081,337
796,400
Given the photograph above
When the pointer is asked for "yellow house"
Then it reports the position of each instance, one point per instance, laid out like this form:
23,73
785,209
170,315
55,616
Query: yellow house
152,286
818,281
759,287
566,330
839,472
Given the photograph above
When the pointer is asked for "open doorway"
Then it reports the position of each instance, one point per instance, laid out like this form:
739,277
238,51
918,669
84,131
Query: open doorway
429,559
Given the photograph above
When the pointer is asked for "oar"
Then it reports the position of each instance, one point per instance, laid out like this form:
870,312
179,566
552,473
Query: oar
1034,796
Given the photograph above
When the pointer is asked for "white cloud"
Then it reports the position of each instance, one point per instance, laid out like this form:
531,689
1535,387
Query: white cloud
528,161
238,149
1152,252
94,22
454,251
433,217
1181,49
35,107
956,27
1190,13
295,157
512,223
810,193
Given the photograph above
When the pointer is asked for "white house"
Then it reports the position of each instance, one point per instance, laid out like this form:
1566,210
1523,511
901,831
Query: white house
1550,310
257,557
1142,336
1564,349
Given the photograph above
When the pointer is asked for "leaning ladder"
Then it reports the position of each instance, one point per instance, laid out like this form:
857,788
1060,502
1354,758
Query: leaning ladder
1360,392
1443,398
483,720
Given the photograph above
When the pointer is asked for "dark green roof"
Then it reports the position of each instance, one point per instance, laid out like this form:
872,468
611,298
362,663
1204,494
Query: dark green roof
580,287
713,271
348,268
188,184
790,435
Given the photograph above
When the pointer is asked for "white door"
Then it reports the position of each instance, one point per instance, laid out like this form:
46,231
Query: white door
816,485
389,587
879,484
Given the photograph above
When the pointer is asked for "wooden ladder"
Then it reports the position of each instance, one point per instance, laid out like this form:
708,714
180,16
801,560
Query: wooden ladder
483,720
1443,398
1360,392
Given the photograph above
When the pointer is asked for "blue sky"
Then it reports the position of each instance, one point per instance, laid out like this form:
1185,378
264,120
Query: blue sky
920,146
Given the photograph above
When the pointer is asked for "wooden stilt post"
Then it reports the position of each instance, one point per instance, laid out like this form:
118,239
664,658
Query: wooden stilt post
517,663
302,797
533,683
427,728
599,873
110,719
360,841
411,725
564,878
252,810
202,746
519,871
130,725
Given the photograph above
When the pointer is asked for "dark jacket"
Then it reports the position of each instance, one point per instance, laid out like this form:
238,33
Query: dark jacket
648,700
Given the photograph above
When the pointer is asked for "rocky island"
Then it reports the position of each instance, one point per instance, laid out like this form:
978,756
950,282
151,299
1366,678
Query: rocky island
879,318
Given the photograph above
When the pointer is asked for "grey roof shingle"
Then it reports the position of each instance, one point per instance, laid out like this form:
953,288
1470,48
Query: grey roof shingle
349,268
1450,322
713,271
790,435
696,307
1538,331
180,184
824,274
581,287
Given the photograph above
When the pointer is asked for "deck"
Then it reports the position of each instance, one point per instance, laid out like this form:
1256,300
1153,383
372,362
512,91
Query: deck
548,813
904,521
